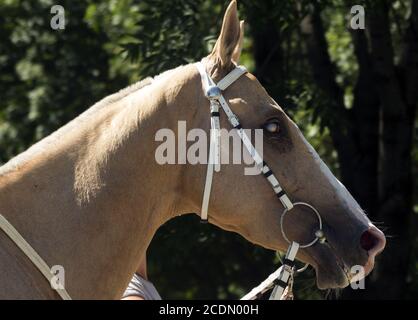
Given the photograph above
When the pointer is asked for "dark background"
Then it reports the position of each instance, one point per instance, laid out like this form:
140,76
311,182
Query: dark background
354,94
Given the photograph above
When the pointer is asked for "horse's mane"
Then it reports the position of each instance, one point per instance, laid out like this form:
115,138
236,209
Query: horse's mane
46,142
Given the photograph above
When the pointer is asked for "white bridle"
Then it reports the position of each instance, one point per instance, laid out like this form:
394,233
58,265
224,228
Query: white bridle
213,92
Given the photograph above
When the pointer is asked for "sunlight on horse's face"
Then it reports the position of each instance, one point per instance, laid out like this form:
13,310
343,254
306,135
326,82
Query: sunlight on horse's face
246,204
250,207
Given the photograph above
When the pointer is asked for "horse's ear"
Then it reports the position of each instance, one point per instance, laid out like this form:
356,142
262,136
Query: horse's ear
229,37
237,51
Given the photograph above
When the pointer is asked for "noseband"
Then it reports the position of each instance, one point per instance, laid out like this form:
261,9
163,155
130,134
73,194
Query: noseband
213,92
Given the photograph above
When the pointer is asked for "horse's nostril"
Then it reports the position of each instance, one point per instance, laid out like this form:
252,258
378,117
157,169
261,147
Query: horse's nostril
368,241
372,240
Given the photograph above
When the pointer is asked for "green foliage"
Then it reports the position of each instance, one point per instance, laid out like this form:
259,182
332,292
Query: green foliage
47,77
162,37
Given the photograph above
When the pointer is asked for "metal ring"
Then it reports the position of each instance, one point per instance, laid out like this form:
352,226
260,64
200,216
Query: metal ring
319,220
213,92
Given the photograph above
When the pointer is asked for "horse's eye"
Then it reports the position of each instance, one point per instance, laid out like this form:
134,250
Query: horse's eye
272,127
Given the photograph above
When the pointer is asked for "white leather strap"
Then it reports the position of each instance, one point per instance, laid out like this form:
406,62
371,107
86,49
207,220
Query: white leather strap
263,286
206,80
231,77
36,259
284,276
214,163
280,273
214,147
208,187
214,93
232,118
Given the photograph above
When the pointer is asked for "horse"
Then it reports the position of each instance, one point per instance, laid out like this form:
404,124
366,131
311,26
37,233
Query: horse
90,196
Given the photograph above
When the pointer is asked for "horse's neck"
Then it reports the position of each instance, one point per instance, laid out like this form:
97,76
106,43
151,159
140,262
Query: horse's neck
92,202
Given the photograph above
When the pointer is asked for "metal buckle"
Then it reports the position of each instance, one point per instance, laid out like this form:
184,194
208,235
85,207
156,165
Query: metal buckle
213,93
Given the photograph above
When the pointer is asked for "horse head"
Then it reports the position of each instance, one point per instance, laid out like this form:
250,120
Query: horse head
246,204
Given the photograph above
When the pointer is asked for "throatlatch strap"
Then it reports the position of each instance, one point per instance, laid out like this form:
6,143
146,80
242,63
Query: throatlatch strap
214,159
27,249
214,147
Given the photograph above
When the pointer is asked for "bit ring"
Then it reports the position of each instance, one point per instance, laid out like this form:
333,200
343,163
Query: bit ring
319,234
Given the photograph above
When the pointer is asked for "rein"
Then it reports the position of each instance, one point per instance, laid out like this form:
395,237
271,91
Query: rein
283,277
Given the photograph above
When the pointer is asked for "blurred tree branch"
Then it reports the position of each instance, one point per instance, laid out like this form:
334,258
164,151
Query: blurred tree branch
366,116
409,62
324,74
374,137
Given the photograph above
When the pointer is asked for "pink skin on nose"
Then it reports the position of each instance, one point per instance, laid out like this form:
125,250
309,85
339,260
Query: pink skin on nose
373,241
